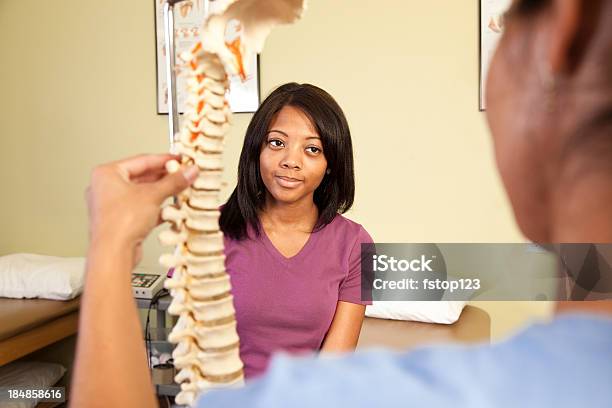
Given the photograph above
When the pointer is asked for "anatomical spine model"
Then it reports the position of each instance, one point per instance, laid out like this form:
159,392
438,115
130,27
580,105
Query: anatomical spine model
207,345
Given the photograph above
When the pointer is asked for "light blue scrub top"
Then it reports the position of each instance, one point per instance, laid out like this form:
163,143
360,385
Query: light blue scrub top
565,363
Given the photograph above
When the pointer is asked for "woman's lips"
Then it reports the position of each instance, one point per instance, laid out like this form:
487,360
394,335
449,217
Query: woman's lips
287,182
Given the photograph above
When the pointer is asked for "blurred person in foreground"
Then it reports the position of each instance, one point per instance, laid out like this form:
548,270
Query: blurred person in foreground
549,107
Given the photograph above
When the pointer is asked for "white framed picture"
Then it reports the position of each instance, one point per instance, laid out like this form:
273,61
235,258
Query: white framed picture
491,28
189,15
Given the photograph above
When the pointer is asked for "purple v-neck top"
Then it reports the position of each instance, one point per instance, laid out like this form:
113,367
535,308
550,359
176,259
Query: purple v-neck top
287,304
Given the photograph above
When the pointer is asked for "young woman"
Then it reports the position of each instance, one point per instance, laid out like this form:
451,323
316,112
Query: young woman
294,261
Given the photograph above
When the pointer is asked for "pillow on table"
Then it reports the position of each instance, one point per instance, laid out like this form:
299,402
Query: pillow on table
29,374
442,311
40,276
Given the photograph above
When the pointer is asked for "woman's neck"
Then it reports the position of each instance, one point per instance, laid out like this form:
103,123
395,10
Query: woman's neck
584,215
301,215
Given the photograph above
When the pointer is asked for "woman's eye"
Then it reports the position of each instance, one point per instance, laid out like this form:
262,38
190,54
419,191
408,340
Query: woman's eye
275,143
313,149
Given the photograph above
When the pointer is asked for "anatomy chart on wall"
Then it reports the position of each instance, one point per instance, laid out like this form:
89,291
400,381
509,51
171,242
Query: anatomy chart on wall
491,28
188,16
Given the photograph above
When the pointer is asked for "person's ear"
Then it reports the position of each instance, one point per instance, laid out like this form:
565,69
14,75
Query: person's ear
571,26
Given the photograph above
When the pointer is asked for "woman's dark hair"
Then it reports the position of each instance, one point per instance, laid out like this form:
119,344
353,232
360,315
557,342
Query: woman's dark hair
527,7
336,192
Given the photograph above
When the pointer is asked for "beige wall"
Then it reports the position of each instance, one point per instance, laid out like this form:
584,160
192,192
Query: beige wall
78,88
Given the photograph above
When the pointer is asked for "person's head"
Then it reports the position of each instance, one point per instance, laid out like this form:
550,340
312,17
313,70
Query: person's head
292,161
549,105
297,148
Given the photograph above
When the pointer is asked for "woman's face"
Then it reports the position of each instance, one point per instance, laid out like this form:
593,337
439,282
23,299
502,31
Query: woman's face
517,118
292,161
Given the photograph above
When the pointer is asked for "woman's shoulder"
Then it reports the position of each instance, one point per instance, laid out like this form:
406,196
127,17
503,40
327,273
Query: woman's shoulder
345,227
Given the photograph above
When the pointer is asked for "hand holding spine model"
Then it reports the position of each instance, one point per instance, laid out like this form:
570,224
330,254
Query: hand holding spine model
207,352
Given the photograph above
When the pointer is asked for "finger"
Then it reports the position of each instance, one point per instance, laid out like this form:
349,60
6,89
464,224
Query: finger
149,177
174,183
143,164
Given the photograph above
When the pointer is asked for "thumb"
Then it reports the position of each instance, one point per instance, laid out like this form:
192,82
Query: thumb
174,183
